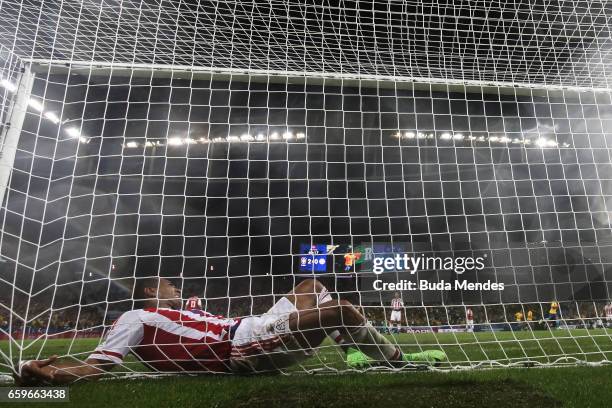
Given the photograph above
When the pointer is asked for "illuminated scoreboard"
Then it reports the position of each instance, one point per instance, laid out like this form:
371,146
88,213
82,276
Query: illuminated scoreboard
313,258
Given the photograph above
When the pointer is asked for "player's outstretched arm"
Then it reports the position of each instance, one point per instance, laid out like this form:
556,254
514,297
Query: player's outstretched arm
35,372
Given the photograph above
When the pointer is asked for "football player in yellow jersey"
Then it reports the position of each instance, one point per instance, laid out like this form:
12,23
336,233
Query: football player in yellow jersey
553,312
518,317
529,319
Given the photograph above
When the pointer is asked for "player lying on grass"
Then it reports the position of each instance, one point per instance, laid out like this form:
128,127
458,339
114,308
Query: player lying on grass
171,340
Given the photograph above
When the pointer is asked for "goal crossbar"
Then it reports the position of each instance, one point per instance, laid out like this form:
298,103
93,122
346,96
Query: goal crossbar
101,68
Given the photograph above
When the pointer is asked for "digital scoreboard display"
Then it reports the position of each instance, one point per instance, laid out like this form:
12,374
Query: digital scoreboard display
313,258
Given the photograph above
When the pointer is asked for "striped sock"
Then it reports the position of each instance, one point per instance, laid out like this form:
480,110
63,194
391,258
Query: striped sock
368,340
336,336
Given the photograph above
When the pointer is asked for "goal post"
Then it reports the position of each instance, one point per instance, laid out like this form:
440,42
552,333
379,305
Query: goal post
13,124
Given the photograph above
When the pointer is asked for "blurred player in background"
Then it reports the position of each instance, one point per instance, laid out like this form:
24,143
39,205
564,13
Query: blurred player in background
529,320
396,311
192,303
518,318
608,313
469,320
350,258
553,313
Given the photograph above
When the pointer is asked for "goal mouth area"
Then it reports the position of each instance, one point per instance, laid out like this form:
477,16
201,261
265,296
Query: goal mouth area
414,168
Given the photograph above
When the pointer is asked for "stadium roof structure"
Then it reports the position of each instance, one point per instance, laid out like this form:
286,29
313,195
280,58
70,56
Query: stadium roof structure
551,43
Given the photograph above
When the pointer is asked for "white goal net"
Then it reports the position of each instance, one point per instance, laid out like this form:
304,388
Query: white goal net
452,155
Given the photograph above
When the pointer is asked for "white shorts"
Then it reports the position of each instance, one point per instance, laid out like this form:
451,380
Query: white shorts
470,322
396,316
256,347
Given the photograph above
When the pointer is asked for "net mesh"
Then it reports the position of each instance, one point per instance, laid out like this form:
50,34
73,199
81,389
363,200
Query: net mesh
537,41
240,148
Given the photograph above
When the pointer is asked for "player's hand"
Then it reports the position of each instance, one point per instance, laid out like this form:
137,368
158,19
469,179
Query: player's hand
32,372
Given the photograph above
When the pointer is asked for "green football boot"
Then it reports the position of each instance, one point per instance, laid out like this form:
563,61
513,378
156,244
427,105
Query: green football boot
356,359
434,357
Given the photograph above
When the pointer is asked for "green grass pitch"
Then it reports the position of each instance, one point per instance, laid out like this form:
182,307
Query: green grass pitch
572,386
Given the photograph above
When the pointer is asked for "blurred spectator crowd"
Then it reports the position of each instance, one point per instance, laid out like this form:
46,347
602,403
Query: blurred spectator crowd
35,318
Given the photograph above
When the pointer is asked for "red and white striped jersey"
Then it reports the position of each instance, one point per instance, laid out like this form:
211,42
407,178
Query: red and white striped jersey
397,304
170,340
608,310
469,315
193,302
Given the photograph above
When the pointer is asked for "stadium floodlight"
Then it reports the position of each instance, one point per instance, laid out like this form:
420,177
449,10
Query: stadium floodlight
458,136
176,141
246,137
72,131
8,85
446,136
36,105
132,144
52,117
260,137
409,135
300,135
544,142
274,136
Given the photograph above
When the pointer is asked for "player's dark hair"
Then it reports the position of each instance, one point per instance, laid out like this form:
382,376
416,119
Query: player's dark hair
140,284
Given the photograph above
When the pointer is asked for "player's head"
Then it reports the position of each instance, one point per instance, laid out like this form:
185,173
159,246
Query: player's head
397,295
157,292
